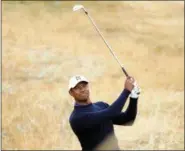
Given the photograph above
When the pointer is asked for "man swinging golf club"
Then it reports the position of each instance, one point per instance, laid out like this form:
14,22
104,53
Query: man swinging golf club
93,123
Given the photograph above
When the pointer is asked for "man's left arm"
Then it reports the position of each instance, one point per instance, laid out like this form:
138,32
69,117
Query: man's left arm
127,117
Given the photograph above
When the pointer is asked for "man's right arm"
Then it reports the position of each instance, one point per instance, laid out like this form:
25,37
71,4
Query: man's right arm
88,119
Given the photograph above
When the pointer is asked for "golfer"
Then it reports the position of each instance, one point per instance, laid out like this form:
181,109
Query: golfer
93,123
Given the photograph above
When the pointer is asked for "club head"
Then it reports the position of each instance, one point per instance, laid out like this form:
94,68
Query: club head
77,7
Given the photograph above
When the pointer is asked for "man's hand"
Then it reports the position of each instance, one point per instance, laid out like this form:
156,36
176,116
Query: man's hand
129,83
135,91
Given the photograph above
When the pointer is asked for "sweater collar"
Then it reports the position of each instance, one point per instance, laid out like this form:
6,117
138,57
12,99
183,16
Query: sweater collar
77,105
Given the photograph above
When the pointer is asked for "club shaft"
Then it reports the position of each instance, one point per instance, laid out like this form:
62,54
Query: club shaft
99,32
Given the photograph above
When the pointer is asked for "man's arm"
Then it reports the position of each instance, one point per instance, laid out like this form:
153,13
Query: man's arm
127,117
87,119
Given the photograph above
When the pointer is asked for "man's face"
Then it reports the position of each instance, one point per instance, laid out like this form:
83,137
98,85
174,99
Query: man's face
80,92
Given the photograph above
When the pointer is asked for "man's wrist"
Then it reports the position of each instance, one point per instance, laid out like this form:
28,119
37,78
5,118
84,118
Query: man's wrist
134,95
126,91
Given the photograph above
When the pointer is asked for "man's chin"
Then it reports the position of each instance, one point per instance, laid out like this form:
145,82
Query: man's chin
83,100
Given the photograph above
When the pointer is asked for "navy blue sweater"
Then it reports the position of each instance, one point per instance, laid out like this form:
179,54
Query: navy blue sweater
93,123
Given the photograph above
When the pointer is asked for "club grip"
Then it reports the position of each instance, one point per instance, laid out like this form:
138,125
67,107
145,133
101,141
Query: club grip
124,71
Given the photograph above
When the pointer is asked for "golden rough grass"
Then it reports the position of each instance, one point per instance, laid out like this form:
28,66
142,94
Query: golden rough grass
44,43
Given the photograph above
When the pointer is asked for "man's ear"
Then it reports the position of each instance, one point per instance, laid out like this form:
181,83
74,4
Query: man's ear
71,92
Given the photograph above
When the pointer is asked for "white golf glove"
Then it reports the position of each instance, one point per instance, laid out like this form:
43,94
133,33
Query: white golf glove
135,91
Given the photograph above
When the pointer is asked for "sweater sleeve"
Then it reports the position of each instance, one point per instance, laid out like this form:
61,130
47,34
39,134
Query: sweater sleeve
87,119
127,117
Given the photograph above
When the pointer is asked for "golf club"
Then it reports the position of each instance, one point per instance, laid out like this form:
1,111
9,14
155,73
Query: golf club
81,7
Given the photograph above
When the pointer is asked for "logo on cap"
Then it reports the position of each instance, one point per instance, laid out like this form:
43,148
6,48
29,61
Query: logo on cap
78,78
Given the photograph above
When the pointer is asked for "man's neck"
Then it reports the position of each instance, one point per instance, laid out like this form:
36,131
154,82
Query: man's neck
83,103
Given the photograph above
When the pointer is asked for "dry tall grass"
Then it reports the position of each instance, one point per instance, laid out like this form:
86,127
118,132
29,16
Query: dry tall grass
44,43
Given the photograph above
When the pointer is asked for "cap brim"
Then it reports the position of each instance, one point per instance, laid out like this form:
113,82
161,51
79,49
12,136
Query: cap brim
77,83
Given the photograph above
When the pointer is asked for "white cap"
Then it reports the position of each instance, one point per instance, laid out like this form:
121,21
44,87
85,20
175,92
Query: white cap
75,80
